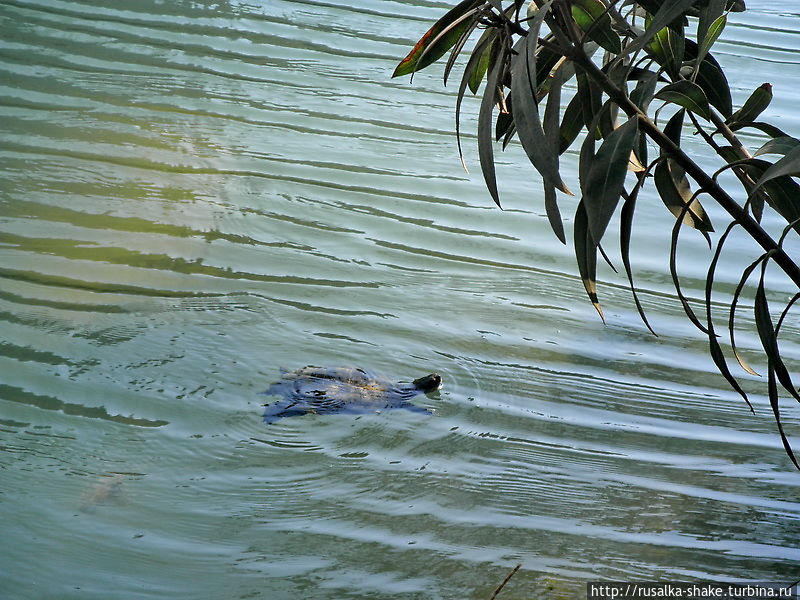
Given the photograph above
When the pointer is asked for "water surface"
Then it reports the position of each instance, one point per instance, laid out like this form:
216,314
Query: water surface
194,195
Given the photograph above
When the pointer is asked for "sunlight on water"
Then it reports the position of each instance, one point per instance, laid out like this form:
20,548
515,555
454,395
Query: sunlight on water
197,196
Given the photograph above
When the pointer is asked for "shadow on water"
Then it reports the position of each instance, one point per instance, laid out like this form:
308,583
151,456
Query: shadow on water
12,394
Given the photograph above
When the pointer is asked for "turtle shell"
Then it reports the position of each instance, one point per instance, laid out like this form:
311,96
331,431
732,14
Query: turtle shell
324,390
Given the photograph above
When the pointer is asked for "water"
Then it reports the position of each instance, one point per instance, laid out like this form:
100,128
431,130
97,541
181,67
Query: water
195,195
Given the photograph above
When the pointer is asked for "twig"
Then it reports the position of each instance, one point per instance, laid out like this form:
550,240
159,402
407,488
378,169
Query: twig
505,581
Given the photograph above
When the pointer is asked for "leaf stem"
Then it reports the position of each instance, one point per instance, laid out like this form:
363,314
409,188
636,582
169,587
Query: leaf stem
728,134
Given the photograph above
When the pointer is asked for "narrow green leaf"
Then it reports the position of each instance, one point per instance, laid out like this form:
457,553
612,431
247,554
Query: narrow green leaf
546,60
732,313
673,188
553,213
571,123
606,258
485,151
688,95
717,355
458,47
505,121
769,340
509,135
788,165
592,18
758,101
606,177
584,164
711,78
666,14
433,44
772,392
587,151
526,112
782,195
590,99
586,255
785,312
763,320
587,155
552,112
748,171
485,43
781,192
447,38
673,270
668,48
645,90
709,14
608,119
770,130
735,6
625,229
640,154
778,145
711,36
552,135
674,128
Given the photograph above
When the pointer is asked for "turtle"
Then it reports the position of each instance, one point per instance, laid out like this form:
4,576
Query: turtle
323,390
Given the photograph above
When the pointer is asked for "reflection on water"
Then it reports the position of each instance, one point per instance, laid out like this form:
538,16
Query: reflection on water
195,196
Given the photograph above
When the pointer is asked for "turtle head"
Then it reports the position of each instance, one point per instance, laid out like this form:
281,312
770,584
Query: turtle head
428,383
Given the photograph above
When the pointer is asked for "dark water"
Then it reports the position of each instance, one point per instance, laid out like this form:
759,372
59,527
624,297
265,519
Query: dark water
194,195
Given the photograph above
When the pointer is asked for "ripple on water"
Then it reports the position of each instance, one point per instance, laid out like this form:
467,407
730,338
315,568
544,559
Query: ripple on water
230,189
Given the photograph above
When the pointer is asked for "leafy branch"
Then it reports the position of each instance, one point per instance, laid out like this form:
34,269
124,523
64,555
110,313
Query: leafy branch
625,56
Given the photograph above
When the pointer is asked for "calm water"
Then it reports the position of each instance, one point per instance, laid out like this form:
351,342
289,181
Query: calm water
196,194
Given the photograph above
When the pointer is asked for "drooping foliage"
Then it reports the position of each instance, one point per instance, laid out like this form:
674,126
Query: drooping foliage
628,60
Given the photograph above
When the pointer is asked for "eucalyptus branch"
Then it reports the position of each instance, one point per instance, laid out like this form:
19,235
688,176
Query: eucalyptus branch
519,74
737,167
692,169
707,138
512,24
544,43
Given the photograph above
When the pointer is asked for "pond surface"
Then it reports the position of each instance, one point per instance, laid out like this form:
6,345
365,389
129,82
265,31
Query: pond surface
195,195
